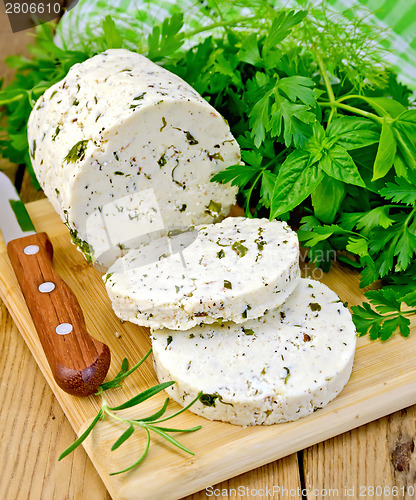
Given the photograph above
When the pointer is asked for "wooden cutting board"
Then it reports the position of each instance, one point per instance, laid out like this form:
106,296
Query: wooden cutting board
383,381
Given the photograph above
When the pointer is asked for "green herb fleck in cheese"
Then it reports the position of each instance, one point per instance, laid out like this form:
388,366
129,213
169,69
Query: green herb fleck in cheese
77,152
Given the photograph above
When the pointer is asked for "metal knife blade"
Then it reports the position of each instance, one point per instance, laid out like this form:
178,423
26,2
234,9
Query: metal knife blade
79,363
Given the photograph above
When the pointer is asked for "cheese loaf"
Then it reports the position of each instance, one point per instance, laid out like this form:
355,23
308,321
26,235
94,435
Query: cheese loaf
233,270
277,368
125,151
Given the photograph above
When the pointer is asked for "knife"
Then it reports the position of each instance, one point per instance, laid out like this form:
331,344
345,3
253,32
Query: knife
79,363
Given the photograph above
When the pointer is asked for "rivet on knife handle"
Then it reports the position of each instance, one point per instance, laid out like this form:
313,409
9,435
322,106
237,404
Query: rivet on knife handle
79,362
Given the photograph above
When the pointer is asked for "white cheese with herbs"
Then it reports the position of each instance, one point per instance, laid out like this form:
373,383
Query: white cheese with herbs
120,130
277,368
230,271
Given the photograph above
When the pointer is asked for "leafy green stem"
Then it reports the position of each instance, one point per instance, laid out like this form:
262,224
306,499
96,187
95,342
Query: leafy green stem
331,116
337,103
4,102
325,77
355,96
83,436
179,411
398,313
220,24
122,375
274,160
250,191
146,423
351,109
372,102
409,218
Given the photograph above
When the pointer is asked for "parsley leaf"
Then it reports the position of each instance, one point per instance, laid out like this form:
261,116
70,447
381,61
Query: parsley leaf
111,34
394,246
373,218
165,39
282,26
298,87
385,317
319,233
401,190
295,182
238,175
274,113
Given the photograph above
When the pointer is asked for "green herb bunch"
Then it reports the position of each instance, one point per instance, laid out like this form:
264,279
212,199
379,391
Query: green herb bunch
327,132
328,137
148,424
49,63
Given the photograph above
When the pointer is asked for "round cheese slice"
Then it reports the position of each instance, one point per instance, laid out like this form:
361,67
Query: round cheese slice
125,149
230,271
277,368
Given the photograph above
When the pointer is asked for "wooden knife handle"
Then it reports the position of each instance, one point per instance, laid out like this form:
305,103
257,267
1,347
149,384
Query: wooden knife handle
79,363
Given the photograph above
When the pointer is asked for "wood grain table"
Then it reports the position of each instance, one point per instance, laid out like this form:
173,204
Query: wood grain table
34,429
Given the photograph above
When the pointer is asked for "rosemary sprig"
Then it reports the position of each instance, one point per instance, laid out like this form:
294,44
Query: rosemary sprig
146,423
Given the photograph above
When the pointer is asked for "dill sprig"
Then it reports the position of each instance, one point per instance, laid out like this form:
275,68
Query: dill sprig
349,43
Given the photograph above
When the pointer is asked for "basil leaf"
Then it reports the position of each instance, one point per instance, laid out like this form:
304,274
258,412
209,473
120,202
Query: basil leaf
327,198
407,122
337,163
295,182
406,147
315,145
386,152
408,118
385,106
400,166
353,133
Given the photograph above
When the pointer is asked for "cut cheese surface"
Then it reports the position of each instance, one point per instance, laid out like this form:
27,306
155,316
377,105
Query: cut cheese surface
277,368
125,151
229,271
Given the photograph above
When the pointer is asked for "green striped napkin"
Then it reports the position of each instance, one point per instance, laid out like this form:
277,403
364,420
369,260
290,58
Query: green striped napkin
79,25
400,17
